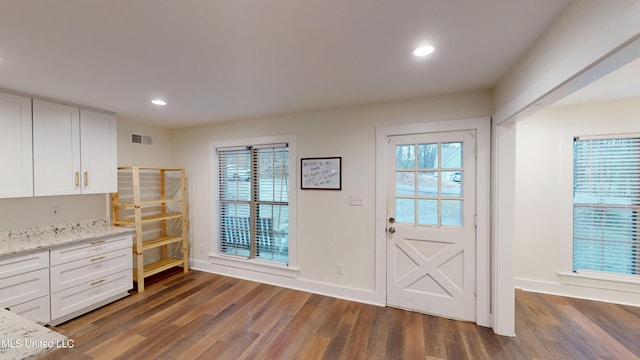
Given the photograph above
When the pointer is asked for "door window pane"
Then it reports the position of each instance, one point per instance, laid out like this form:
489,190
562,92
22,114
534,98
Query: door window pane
428,183
452,155
451,213
405,183
428,212
452,183
405,211
405,157
427,156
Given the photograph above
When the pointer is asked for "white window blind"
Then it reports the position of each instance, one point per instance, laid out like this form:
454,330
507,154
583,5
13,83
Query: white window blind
606,202
253,202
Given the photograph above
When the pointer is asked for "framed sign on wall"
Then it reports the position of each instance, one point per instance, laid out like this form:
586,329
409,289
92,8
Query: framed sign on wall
321,173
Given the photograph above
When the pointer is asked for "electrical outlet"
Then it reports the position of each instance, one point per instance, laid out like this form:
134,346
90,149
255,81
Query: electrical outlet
339,269
54,211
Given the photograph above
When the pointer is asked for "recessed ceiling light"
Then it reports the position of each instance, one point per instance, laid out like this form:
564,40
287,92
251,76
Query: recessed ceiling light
158,102
423,50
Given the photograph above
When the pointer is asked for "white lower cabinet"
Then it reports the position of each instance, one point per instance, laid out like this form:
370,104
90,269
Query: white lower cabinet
24,285
37,310
71,302
87,270
53,286
89,249
88,275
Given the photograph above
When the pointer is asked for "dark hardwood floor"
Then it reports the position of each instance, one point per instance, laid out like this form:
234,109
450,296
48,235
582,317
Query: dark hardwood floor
204,316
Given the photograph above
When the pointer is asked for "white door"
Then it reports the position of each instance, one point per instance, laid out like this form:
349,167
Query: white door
431,223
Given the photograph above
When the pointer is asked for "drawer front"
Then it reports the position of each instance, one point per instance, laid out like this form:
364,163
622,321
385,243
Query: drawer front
86,270
23,263
37,310
89,249
82,296
24,287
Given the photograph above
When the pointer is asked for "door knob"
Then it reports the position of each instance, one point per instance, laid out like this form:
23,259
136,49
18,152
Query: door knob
392,230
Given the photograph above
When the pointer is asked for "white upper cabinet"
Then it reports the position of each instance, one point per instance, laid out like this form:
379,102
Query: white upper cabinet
98,152
15,146
73,152
56,149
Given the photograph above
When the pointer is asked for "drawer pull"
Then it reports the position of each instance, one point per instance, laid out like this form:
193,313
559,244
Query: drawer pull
97,282
98,258
97,242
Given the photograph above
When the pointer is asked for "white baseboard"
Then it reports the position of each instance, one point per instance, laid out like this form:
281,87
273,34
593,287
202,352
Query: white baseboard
580,292
336,291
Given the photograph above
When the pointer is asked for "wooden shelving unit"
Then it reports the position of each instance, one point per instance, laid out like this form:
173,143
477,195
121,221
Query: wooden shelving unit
138,212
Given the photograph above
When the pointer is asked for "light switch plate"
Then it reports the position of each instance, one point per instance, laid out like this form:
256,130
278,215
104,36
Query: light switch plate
356,200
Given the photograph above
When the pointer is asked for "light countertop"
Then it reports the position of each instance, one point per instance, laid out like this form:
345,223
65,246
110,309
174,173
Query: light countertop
24,339
46,237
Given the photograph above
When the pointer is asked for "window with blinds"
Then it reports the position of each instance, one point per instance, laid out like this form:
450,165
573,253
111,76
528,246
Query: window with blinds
606,200
253,202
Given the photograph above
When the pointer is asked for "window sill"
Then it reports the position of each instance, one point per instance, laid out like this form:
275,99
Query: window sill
625,283
256,265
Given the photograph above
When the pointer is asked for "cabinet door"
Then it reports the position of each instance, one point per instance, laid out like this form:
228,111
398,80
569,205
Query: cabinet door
23,263
88,296
38,310
89,249
98,152
85,270
15,146
24,287
56,149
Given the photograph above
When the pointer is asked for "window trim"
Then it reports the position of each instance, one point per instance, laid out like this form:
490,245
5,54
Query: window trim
256,264
601,280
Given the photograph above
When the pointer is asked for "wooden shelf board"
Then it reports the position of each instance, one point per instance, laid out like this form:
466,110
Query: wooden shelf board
148,168
149,202
158,266
148,219
150,244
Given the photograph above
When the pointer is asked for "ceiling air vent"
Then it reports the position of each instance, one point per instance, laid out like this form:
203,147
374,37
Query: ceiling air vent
141,139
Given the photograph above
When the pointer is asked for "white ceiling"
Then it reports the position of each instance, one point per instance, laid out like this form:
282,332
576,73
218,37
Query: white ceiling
216,60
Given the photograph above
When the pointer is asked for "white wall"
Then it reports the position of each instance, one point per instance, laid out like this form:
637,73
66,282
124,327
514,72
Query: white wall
156,155
27,212
544,215
586,32
329,230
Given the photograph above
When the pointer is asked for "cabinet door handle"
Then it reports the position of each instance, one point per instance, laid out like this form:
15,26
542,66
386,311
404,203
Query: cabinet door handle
98,258
97,242
77,179
97,282
86,178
